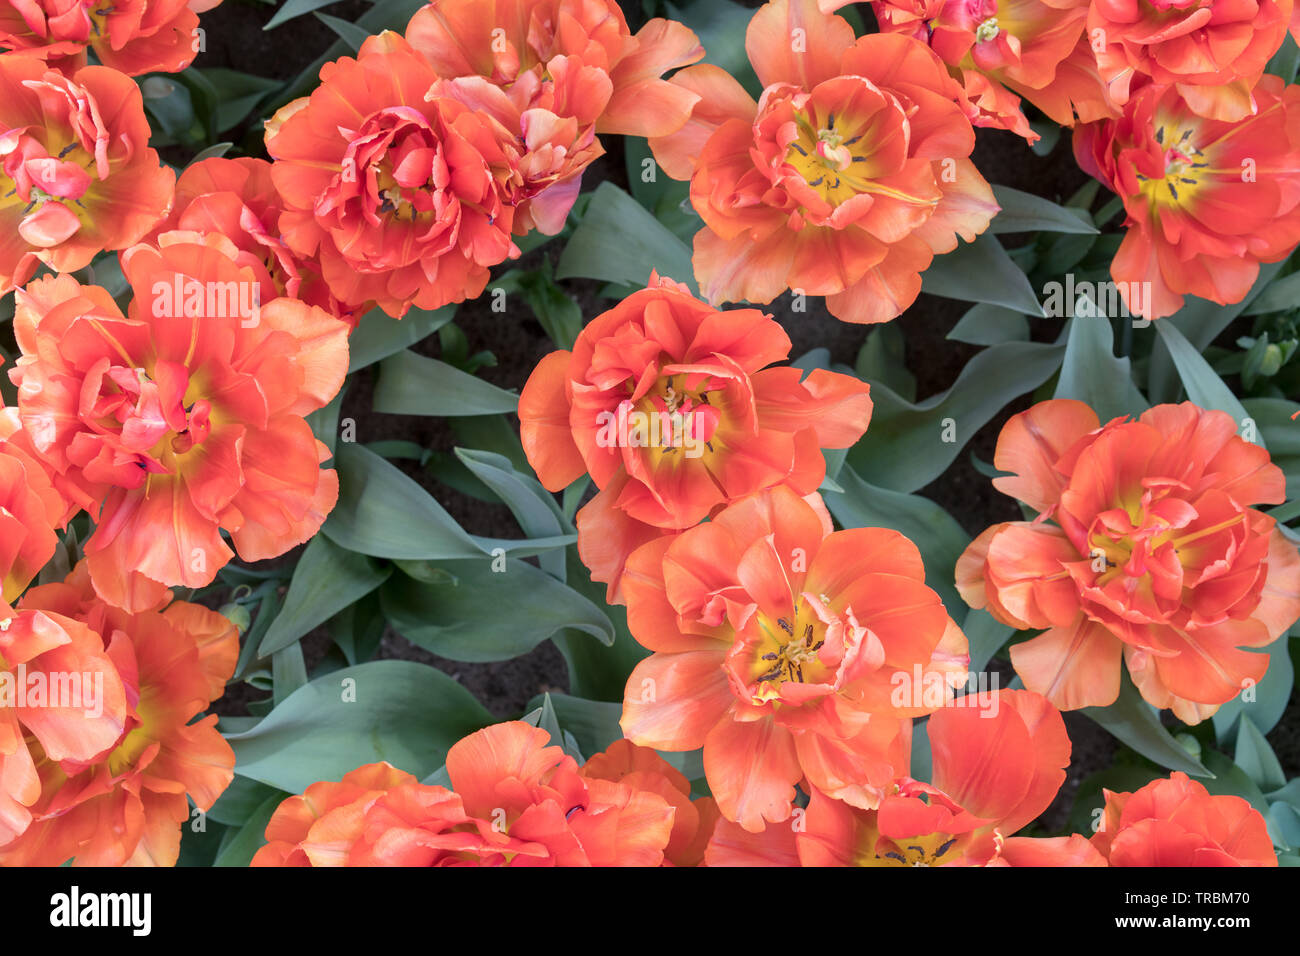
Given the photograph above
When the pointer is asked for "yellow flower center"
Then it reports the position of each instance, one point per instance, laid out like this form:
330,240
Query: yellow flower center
788,651
1185,167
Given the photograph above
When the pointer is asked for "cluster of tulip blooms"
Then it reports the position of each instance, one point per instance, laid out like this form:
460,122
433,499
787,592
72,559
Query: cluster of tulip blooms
793,654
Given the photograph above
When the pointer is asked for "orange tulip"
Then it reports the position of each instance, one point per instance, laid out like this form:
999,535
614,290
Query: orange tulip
402,197
236,198
1001,51
506,773
61,698
641,768
377,815
789,653
1176,822
78,176
515,802
1207,200
30,510
847,177
125,801
1145,547
1214,51
966,818
133,36
519,44
668,404
183,419
552,74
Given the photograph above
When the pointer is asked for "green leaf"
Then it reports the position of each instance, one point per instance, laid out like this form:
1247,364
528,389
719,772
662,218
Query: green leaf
235,94
411,384
239,801
383,15
1092,374
1132,721
1270,695
1283,826
405,713
379,335
215,151
1285,60
1121,778
668,199
324,421
288,673
383,513
721,26
1200,321
618,240
1231,780
990,325
200,848
981,271
1281,434
1279,296
1256,758
531,504
986,635
1203,386
555,310
936,533
594,724
241,845
905,447
479,614
292,9
546,718
349,33
327,579
267,609
881,359
597,672
1025,212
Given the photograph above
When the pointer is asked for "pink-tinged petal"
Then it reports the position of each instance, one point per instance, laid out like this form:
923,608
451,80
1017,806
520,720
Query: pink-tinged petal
792,41
673,701
1031,444
733,845
1072,850
721,99
544,428
1073,667
752,768
1003,759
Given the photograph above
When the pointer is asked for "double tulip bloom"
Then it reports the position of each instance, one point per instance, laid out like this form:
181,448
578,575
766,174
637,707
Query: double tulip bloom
237,198
672,408
1212,51
182,419
792,654
514,801
133,36
967,817
844,180
1176,822
74,150
410,167
1145,548
1208,200
106,780
30,510
1003,52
